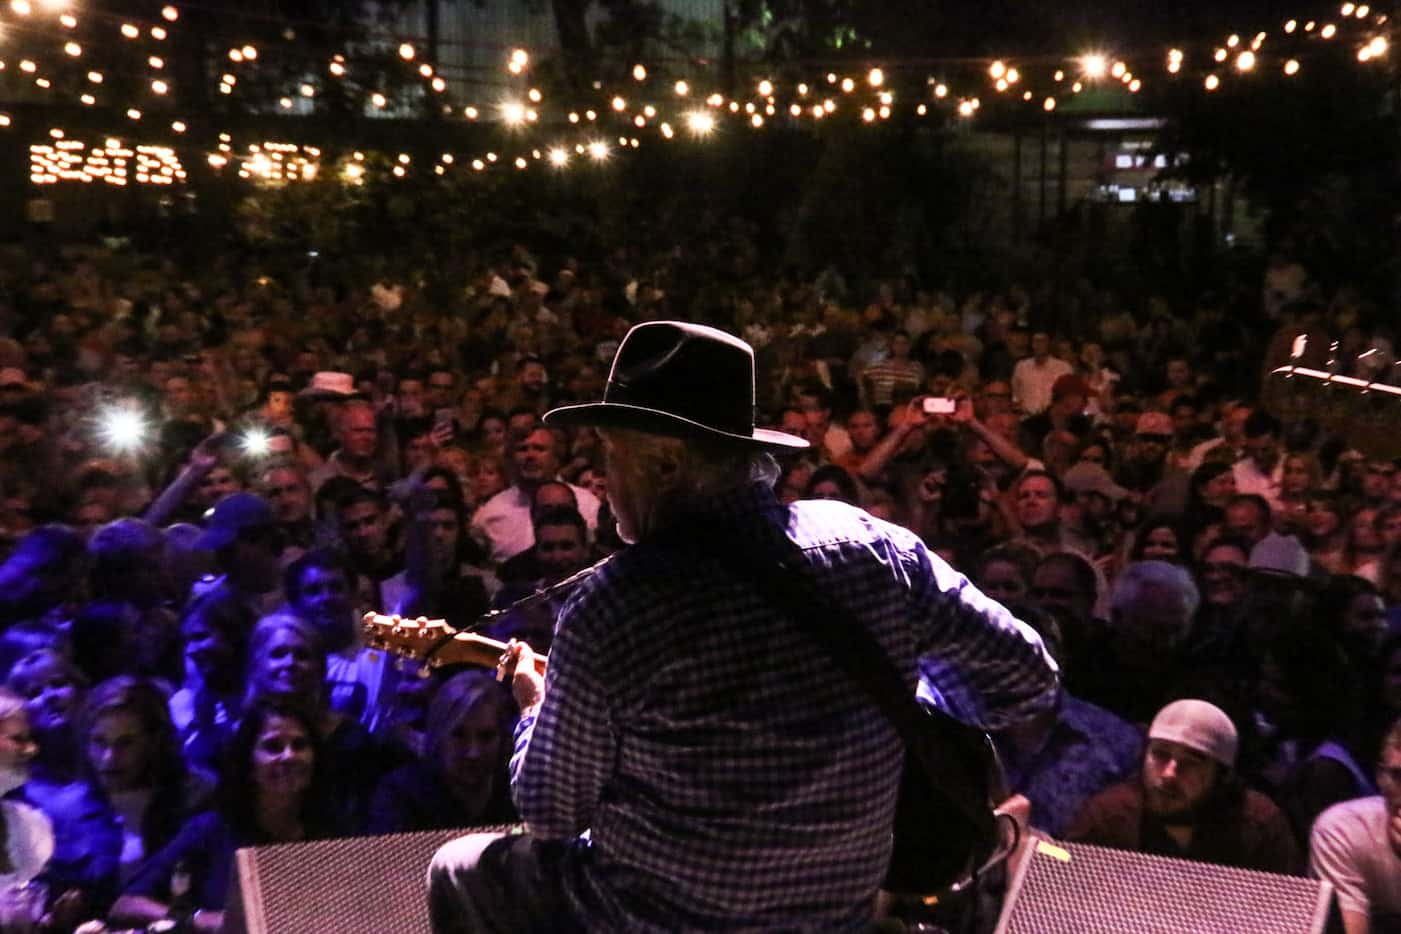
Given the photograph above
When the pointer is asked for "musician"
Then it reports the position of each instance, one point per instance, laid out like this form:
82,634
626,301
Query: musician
727,774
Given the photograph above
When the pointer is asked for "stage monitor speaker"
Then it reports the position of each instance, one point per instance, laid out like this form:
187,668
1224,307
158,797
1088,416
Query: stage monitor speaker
354,885
1070,888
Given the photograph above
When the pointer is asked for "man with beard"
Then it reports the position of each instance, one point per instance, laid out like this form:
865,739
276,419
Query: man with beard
1356,846
1187,802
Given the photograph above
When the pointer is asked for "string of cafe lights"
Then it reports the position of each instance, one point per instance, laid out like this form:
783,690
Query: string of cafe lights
677,110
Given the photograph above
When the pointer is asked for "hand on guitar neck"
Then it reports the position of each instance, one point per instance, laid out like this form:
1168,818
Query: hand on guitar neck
435,643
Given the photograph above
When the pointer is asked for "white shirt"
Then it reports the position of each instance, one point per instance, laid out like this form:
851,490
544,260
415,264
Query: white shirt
503,522
30,841
1251,479
1350,849
1032,382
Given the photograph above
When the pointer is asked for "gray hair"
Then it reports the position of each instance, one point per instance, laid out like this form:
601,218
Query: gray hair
668,476
1149,580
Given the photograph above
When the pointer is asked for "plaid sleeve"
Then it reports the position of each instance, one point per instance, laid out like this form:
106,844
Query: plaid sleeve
1004,674
562,756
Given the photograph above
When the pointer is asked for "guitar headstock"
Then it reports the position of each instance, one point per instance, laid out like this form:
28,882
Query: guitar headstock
408,638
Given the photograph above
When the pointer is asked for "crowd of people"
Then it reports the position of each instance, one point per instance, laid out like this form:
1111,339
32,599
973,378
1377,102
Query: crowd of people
207,478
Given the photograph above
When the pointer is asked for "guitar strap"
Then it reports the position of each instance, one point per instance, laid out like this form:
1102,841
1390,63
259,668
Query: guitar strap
787,585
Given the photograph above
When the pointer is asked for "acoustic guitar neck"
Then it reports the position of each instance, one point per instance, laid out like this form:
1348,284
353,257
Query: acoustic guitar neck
434,642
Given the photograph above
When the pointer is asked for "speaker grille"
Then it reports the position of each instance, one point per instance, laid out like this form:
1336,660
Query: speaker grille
1068,888
355,885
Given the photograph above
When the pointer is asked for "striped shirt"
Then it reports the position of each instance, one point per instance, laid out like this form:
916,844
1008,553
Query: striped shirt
727,774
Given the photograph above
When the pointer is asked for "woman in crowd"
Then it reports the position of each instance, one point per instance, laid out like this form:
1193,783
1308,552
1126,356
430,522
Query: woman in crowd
1324,533
832,482
214,630
1300,477
489,477
53,689
1159,539
287,665
1209,490
1365,547
135,794
272,790
27,840
462,778
1004,573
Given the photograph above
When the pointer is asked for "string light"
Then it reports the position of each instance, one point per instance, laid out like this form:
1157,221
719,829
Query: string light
700,123
765,88
682,89
1094,66
639,73
1212,82
997,70
875,77
170,13
1245,61
155,61
1049,104
1291,67
406,52
130,31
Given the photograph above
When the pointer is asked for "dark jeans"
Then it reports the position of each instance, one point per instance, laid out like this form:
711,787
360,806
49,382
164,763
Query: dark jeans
494,882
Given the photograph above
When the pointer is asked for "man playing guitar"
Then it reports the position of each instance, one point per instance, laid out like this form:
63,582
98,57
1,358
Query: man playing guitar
690,760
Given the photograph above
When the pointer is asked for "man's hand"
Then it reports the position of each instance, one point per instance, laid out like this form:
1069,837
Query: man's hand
527,684
205,456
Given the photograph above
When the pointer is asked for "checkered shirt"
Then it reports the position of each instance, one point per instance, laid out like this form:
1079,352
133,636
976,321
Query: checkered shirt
728,775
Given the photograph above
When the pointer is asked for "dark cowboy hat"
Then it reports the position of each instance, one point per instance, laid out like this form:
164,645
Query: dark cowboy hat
683,381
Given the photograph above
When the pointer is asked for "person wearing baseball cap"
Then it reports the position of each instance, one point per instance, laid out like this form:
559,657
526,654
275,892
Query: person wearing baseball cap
246,540
1188,802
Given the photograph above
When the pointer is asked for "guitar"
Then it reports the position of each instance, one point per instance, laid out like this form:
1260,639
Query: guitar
434,643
